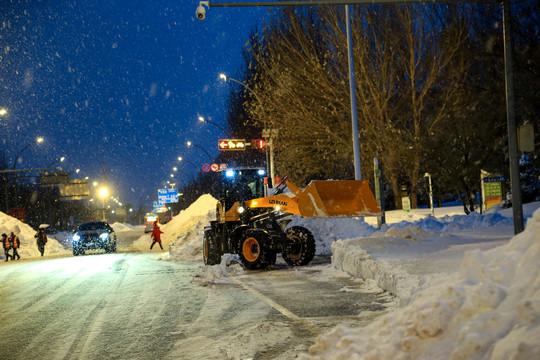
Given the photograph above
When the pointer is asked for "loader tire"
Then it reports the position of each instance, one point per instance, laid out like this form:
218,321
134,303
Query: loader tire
300,248
211,253
253,251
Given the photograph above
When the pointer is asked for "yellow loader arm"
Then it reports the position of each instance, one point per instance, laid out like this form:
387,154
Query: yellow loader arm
324,199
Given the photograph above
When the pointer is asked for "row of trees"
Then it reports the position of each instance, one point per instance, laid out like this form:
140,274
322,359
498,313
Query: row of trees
429,85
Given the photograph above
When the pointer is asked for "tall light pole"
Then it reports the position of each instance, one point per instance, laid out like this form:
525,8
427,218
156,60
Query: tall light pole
39,140
202,119
189,143
268,132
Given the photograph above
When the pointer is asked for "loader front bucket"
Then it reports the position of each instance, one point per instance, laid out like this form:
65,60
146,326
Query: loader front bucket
337,198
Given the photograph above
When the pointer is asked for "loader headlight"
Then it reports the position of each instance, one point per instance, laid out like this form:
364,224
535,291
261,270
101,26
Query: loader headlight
240,209
277,207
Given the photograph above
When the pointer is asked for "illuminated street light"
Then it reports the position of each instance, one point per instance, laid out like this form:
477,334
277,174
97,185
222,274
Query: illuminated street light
3,112
55,161
202,119
39,140
189,143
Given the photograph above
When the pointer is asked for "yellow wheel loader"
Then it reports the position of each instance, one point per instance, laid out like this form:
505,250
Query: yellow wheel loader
254,226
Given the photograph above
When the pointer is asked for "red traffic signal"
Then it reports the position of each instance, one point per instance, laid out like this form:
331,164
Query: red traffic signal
259,144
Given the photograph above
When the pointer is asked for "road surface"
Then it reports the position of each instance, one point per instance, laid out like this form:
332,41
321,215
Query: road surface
133,305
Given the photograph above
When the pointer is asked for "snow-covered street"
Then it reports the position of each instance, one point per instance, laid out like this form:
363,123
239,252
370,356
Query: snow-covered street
462,287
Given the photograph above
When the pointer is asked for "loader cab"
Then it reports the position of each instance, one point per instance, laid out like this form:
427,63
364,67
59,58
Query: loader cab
242,184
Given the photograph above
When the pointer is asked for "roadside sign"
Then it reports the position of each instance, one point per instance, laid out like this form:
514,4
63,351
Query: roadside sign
214,167
495,179
168,196
223,166
206,167
232,144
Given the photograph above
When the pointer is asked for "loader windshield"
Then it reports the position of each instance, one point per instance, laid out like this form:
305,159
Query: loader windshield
242,184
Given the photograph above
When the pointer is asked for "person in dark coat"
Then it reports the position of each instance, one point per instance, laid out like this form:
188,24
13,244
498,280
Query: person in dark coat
15,244
156,235
41,240
7,245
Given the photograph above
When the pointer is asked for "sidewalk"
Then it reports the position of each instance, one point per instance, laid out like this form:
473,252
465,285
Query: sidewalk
406,257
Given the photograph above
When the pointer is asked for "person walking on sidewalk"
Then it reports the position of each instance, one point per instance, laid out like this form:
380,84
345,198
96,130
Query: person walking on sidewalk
7,246
41,240
15,244
156,235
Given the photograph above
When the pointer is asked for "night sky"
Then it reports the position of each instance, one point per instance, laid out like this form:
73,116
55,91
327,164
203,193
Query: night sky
119,83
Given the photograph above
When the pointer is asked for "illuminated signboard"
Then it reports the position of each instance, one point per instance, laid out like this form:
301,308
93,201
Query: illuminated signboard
232,144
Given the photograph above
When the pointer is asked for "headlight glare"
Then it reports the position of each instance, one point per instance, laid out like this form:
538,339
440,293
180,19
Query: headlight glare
76,237
103,236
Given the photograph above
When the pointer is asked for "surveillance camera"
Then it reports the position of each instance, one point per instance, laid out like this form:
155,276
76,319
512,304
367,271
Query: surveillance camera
201,12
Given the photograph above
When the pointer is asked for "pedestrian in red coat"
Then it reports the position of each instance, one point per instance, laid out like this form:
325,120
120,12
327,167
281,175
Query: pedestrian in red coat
156,235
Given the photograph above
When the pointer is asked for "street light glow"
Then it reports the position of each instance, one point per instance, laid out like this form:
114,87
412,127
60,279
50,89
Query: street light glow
39,140
103,192
3,112
201,119
223,77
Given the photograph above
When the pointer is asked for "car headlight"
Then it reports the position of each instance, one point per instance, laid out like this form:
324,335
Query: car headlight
104,236
76,237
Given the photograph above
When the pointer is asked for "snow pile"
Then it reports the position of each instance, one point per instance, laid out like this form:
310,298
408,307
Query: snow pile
26,234
183,234
220,274
489,309
351,257
327,231
119,227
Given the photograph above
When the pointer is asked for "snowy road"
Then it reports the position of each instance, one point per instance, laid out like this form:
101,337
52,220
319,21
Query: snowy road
135,306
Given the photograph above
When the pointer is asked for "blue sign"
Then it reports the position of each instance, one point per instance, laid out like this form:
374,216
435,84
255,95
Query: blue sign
168,195
494,179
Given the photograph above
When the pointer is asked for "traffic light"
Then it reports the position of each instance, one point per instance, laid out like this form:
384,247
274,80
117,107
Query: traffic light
258,144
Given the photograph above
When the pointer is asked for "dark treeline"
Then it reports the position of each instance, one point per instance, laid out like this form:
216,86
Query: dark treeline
429,86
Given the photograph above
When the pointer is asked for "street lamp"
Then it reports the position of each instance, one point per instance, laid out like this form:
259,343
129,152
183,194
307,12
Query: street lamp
189,143
3,112
57,160
103,192
201,119
268,133
37,141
